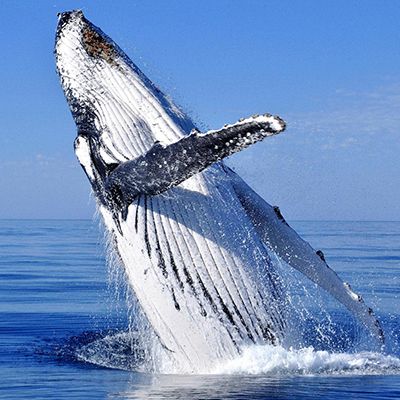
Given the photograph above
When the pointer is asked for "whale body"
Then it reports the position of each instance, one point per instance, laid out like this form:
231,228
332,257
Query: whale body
195,240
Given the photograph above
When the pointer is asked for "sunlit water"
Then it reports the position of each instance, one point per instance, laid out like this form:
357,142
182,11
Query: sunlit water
65,330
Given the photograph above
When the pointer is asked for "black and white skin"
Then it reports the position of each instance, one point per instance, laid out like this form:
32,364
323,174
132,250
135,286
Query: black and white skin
196,242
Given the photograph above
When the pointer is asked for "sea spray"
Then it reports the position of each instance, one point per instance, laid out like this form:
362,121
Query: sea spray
275,360
322,337
138,338
315,328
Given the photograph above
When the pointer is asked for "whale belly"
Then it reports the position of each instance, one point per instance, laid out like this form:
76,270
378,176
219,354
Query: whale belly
199,271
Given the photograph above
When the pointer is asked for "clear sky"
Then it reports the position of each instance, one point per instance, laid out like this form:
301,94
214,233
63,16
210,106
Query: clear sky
331,69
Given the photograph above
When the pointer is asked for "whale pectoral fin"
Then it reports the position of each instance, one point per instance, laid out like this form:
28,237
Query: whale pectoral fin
280,238
83,152
87,152
163,167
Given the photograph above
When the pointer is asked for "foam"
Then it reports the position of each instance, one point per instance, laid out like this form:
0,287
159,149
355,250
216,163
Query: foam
271,360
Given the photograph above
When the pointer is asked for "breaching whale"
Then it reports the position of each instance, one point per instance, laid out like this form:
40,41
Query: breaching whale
195,240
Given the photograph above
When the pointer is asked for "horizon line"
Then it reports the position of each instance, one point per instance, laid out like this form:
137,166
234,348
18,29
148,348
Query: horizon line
293,220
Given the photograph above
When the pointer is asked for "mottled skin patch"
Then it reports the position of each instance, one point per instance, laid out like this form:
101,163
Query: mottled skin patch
97,47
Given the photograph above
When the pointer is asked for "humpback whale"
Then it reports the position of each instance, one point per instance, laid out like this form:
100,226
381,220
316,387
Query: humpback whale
196,242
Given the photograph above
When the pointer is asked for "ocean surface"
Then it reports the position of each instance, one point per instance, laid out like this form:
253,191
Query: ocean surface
66,331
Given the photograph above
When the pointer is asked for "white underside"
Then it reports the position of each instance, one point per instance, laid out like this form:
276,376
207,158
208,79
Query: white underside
207,232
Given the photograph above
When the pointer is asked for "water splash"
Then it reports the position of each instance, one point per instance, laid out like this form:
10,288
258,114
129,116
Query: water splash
122,350
119,350
322,336
275,360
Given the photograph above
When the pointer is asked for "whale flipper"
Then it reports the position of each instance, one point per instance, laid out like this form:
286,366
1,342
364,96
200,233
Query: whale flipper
280,238
165,166
189,273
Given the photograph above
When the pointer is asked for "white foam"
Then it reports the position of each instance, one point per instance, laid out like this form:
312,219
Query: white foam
272,360
122,350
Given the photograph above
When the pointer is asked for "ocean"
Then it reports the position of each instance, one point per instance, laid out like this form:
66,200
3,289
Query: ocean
67,331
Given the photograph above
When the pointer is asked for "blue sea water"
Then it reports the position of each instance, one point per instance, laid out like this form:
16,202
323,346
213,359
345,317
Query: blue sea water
63,326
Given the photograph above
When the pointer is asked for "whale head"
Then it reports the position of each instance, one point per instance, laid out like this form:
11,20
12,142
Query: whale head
111,100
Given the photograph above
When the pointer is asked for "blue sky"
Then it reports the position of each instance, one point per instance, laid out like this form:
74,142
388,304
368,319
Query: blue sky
329,68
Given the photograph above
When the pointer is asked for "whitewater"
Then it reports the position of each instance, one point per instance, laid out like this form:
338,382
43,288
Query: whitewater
110,351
